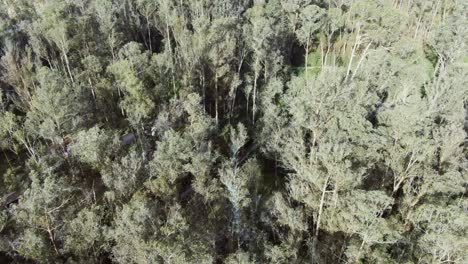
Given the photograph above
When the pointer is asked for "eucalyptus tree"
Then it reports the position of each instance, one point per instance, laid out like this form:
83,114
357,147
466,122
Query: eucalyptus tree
147,9
131,73
260,34
222,43
18,72
85,234
329,149
106,13
54,25
165,19
57,107
310,21
241,183
95,146
42,210
181,153
123,139
292,10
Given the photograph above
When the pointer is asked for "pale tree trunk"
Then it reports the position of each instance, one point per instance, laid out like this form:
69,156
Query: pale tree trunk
50,232
322,54
172,57
202,80
29,148
434,15
92,88
361,60
356,45
360,250
111,44
241,61
317,227
399,181
149,34
235,90
67,62
417,27
314,140
52,239
322,201
254,97
216,97
254,94
233,101
344,46
306,62
328,50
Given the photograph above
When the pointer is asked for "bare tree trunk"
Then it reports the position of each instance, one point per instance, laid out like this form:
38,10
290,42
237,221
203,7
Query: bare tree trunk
172,57
202,79
399,181
233,101
328,50
306,62
216,97
254,97
356,44
360,250
65,56
360,61
52,239
434,15
417,27
149,34
92,89
322,200
322,54
241,61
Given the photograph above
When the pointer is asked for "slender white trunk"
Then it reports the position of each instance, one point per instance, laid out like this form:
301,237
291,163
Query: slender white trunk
322,200
322,54
203,89
306,63
67,62
360,250
356,44
417,27
172,57
362,58
254,95
434,14
216,97
149,34
92,88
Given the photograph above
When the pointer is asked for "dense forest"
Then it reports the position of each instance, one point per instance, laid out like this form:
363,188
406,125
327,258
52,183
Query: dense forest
233,131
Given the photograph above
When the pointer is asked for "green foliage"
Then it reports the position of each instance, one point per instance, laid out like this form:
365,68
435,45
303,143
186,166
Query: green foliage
95,146
287,216
3,219
8,127
239,257
85,233
122,178
233,131
57,108
187,151
132,222
129,71
34,245
441,241
310,19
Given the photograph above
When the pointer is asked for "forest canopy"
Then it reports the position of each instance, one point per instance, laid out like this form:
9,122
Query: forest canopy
233,131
